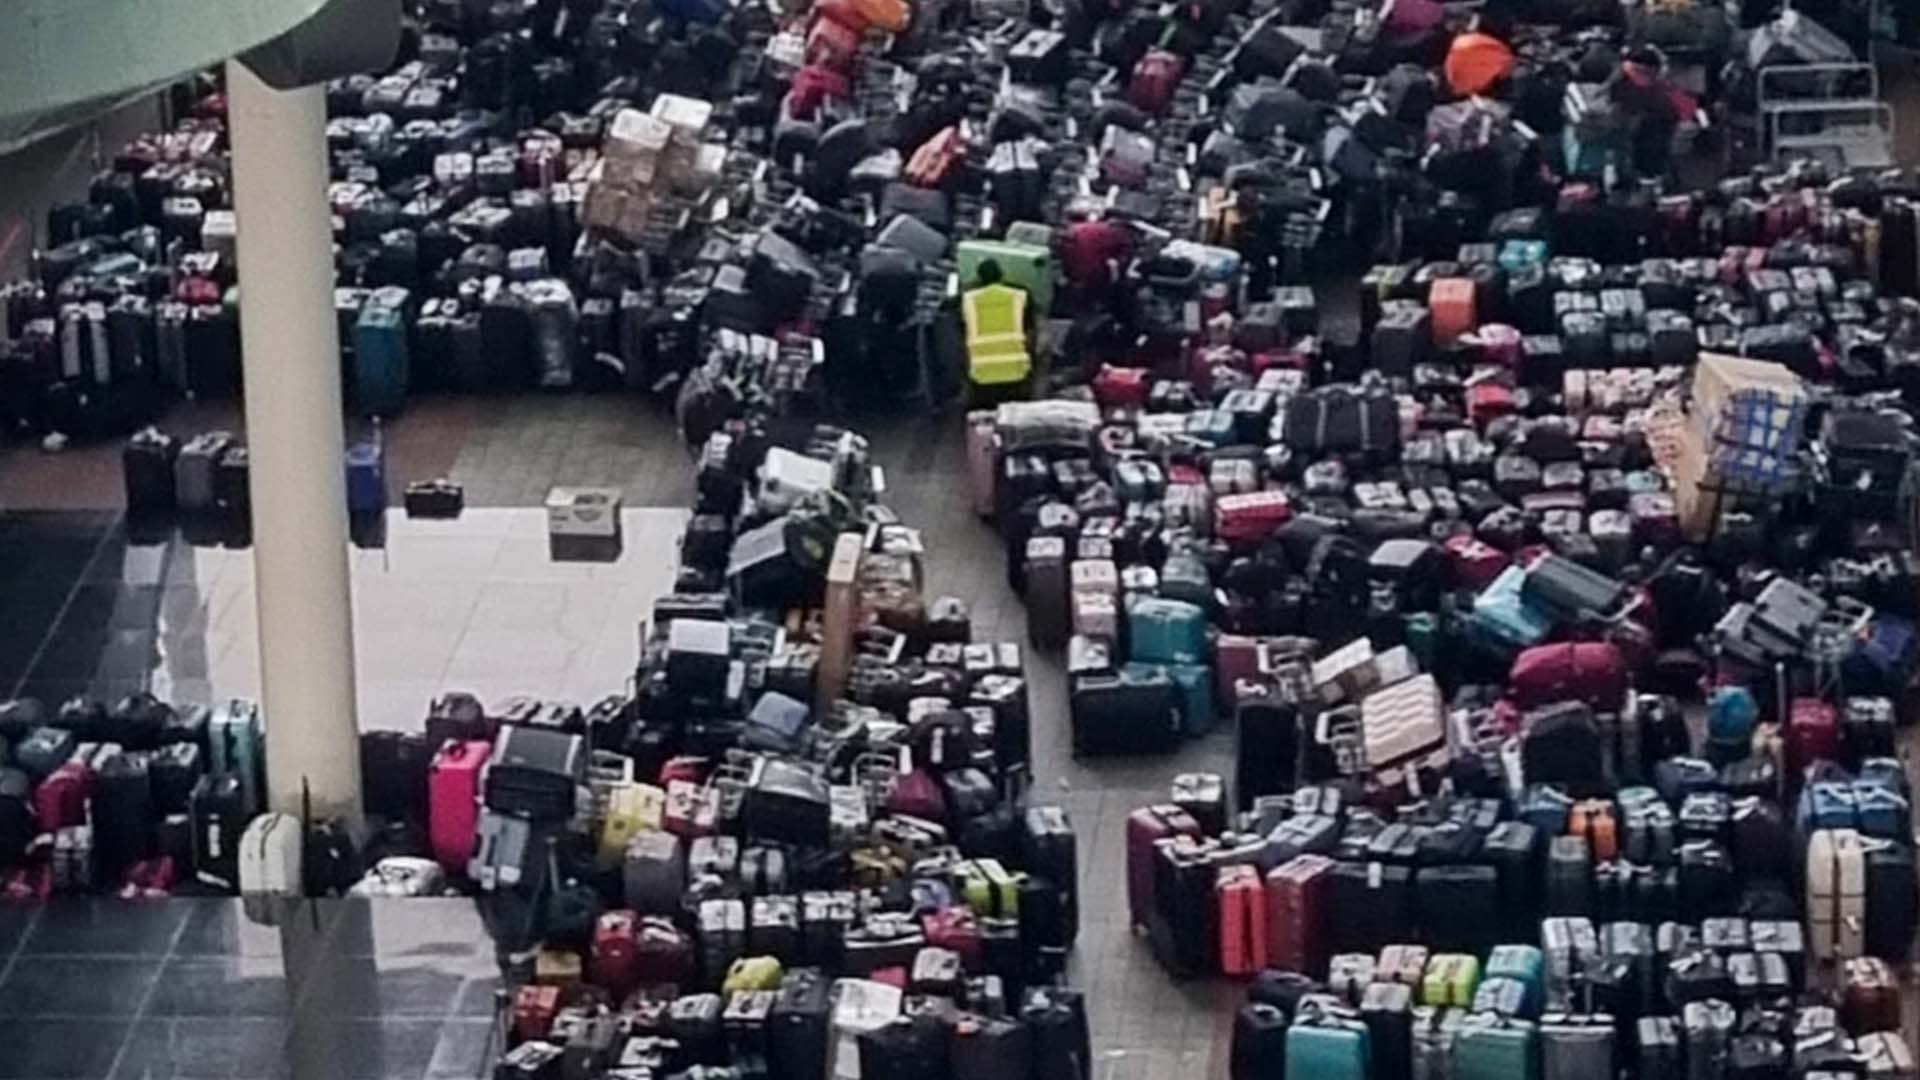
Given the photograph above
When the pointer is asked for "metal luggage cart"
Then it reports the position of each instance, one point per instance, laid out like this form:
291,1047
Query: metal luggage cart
1832,112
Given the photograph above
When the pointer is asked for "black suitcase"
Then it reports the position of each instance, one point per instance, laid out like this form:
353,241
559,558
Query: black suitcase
172,772
988,1048
122,814
1375,901
148,464
1124,713
797,1025
393,774
219,816
1266,746
1259,1050
1387,1011
1459,907
1062,1041
1891,900
213,352
1051,853
138,722
908,1048
535,772
17,827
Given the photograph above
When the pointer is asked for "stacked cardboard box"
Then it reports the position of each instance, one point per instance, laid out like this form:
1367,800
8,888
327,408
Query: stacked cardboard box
1740,437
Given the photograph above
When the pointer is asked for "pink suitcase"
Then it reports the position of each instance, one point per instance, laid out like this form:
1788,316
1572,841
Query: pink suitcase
453,807
982,460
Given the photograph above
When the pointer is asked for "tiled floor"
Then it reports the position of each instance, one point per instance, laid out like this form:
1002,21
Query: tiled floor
476,604
192,989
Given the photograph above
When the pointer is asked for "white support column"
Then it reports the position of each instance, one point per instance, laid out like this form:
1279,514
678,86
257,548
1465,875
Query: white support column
295,438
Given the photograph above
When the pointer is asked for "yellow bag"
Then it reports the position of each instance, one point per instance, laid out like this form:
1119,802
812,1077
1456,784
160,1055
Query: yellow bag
752,973
631,809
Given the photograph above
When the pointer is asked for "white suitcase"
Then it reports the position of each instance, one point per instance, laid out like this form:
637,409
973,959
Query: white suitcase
270,862
402,875
1402,721
1096,615
859,1005
785,477
1836,894
1096,576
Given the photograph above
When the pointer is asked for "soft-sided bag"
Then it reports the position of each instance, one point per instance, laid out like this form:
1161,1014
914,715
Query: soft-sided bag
1592,672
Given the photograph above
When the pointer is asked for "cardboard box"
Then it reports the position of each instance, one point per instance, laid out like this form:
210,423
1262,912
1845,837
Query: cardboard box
583,524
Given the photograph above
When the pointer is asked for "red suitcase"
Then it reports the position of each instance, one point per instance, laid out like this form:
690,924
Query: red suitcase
614,963
1501,344
1154,80
534,1007
1145,826
1296,894
813,85
1475,562
61,799
1813,734
1869,996
453,807
1488,401
1092,251
1451,304
1121,386
1250,517
1591,671
665,952
1235,657
934,162
1243,920
957,929
830,43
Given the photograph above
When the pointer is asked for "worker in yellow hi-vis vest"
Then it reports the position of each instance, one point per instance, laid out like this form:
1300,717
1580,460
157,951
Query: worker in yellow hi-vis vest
996,321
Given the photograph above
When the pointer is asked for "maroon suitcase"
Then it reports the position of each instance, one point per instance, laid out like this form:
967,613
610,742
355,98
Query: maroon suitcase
1145,827
1154,80
1296,893
1589,671
614,964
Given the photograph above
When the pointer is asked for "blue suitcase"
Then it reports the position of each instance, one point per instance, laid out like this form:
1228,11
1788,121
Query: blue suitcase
1829,804
1327,1048
1882,811
1525,964
1546,809
1167,631
381,362
1502,614
367,478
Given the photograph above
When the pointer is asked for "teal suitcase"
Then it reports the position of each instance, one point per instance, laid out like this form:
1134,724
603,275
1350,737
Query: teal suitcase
235,748
1491,1047
1323,1047
382,364
1526,964
1167,631
1518,255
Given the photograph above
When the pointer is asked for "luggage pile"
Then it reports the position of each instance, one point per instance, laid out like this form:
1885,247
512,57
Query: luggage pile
203,480
468,257
814,830
1592,1002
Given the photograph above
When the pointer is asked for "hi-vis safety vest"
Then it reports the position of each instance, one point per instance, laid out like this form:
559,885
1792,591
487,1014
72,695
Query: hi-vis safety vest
996,318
